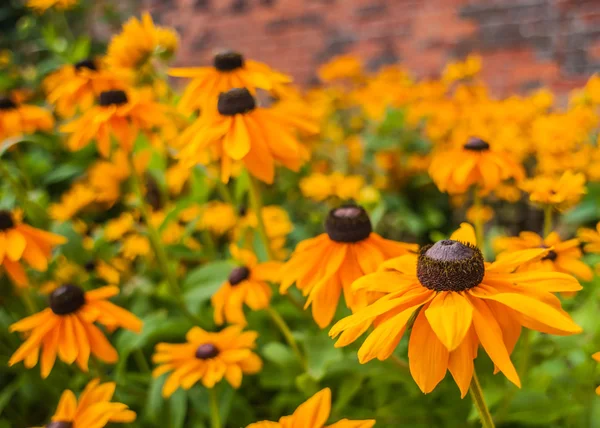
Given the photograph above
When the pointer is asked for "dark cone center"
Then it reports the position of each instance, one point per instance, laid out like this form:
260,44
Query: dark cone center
206,351
476,144
228,61
89,63
349,223
236,101
67,299
60,424
6,220
7,104
90,266
112,98
242,210
550,256
450,266
239,274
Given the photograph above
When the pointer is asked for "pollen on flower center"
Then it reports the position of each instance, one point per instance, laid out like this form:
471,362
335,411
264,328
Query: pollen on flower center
66,299
450,265
239,274
206,351
476,144
228,61
114,97
60,424
88,63
236,101
7,104
349,223
6,220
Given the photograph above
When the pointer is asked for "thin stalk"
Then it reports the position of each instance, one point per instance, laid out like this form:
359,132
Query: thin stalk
478,219
20,192
224,191
156,242
28,301
547,220
141,361
215,416
479,401
399,362
257,206
287,334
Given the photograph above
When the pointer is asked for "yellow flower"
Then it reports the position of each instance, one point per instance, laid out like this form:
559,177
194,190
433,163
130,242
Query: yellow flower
460,302
207,357
134,246
115,229
596,357
277,225
313,413
17,118
218,217
323,266
341,67
41,6
465,70
72,202
484,213
562,192
20,242
591,238
67,329
138,42
229,70
317,186
246,284
176,176
94,409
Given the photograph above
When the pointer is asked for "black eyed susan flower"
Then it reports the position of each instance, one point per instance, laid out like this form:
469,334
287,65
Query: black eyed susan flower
207,357
313,413
460,302
229,70
247,284
560,192
240,131
94,408
20,242
591,238
119,114
323,266
76,87
17,119
455,171
67,329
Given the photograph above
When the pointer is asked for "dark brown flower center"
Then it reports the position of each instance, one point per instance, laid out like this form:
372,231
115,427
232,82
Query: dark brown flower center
550,256
206,351
67,299
348,223
6,220
112,98
476,144
450,265
242,210
88,63
7,104
60,424
239,274
236,101
90,265
228,61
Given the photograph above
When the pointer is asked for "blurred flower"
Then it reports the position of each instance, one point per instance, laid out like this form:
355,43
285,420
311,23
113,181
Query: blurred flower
20,242
17,118
341,67
591,238
464,70
596,357
119,114
239,131
474,164
564,256
316,186
217,217
323,266
460,302
229,70
135,245
313,413
507,192
207,357
483,213
94,409
72,202
561,192
41,6
116,228
277,225
246,284
176,176
67,329
319,187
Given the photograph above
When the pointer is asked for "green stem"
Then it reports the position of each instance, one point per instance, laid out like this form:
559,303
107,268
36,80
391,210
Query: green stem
215,416
141,361
477,396
400,362
156,242
257,206
224,191
547,220
39,213
287,334
28,301
525,352
478,220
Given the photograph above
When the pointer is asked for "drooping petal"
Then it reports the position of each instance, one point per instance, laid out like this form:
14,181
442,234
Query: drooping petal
450,315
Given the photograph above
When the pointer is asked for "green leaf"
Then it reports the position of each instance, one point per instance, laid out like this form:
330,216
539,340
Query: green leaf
320,355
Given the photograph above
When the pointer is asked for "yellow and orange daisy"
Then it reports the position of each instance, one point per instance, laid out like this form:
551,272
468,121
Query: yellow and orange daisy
591,238
17,119
207,357
229,70
247,284
94,409
313,413
460,302
560,192
325,265
66,328
20,242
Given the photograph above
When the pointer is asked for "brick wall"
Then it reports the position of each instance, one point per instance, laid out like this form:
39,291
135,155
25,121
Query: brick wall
525,43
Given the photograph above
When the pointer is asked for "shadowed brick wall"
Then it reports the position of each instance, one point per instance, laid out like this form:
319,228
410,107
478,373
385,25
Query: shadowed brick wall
525,43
